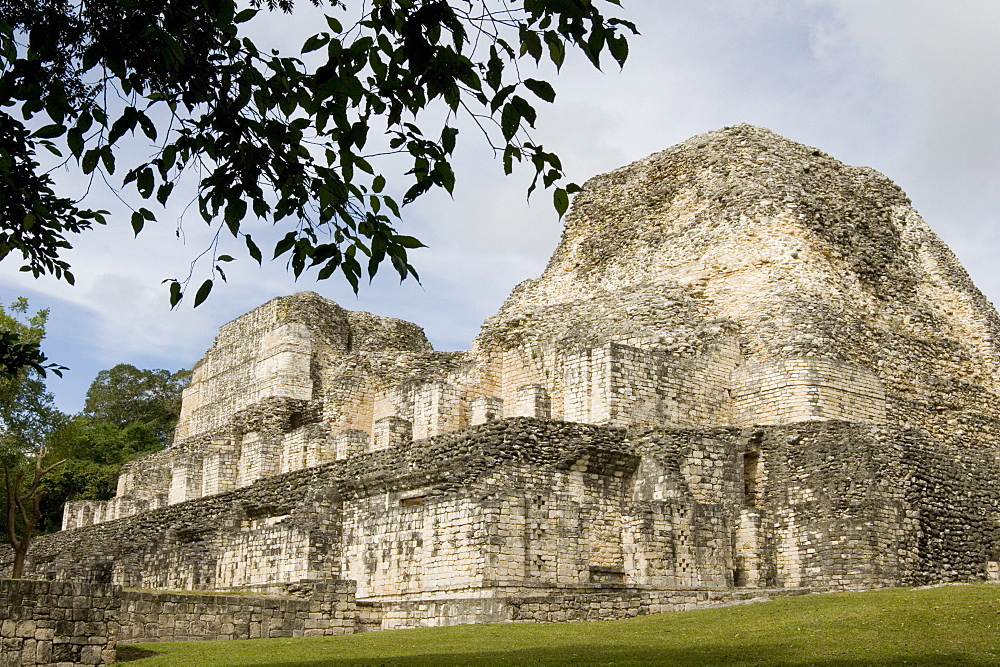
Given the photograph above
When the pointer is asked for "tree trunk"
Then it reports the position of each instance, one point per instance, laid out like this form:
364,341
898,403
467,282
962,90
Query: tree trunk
19,553
17,512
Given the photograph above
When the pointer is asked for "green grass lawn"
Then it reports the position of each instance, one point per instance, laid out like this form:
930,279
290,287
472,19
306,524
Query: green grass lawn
944,625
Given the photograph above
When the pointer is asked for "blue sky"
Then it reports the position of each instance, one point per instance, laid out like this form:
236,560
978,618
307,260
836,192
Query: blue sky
909,87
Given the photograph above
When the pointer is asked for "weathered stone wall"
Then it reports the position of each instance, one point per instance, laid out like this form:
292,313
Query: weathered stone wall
791,390
521,505
326,608
834,510
57,623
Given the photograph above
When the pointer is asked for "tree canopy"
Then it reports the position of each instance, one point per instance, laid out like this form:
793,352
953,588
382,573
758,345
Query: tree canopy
271,137
125,396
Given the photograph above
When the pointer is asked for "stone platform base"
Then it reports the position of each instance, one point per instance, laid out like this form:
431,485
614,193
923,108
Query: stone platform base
555,607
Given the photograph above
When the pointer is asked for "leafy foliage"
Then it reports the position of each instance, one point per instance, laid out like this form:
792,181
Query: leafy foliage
27,414
83,439
17,355
274,137
143,400
76,479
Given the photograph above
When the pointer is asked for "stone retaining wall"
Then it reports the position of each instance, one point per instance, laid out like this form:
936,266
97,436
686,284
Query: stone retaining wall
57,622
149,616
631,603
605,605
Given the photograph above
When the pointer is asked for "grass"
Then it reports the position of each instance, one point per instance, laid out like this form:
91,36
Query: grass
939,626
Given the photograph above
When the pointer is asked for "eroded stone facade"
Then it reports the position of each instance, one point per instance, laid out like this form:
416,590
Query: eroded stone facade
747,366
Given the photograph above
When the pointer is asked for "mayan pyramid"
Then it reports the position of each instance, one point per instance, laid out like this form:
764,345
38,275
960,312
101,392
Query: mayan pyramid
746,366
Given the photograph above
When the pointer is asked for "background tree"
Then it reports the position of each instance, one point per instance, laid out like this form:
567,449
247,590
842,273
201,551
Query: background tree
48,458
128,397
273,137
27,418
129,412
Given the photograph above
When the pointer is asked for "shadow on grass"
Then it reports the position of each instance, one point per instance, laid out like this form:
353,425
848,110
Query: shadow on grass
603,655
127,653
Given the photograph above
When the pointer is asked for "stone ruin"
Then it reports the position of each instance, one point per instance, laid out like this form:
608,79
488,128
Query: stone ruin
746,367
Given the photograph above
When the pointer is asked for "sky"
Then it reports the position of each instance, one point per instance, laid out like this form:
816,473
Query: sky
908,87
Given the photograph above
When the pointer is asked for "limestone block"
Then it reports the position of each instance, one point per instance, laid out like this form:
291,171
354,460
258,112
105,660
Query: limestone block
349,443
436,409
259,457
533,401
389,432
485,409
185,479
790,390
283,362
221,467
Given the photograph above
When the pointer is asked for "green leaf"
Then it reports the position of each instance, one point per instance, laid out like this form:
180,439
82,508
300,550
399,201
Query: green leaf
245,16
542,89
163,193
494,70
108,158
561,200
175,293
74,139
168,158
378,184
202,293
510,120
236,210
253,249
144,183
315,42
148,128
524,109
531,44
90,159
557,50
124,124
619,49
137,222
408,242
595,43
285,244
501,95
49,131
393,206
448,137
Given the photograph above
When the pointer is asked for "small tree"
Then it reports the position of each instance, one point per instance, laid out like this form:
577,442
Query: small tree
24,498
27,417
